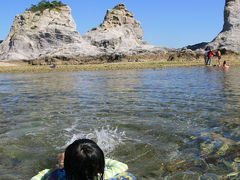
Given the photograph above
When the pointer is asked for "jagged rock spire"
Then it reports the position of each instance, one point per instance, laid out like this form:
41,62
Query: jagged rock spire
229,37
119,32
231,15
118,16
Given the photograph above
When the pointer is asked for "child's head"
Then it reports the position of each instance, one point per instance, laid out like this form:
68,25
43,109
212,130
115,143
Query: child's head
224,62
84,160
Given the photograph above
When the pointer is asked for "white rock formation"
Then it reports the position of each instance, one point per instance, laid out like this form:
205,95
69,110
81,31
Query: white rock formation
45,34
229,37
52,33
120,33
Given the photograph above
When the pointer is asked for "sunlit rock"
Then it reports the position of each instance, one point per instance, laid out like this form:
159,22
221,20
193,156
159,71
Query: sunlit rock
120,33
229,37
44,34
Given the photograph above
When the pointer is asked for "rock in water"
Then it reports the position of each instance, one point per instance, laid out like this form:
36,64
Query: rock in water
44,34
119,33
229,37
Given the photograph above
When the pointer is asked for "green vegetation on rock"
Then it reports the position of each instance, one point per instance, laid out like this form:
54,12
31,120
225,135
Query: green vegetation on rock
119,6
94,29
12,36
42,5
33,27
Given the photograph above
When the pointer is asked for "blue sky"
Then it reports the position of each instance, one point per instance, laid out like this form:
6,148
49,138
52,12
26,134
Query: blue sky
171,23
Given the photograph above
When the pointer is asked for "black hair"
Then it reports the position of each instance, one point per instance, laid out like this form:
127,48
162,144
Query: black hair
84,160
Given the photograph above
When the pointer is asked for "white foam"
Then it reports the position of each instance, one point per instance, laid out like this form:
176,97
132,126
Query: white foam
71,128
109,138
106,137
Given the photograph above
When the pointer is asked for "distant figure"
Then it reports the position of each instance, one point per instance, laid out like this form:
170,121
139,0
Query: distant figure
53,66
225,66
206,57
219,54
210,55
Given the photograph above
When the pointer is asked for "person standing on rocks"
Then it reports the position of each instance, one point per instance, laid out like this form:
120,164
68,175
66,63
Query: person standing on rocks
206,56
210,55
219,54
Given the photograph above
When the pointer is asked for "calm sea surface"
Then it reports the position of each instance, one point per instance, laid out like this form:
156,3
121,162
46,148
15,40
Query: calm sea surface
170,123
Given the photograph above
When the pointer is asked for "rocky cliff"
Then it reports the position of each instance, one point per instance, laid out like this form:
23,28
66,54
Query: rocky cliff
229,37
52,33
45,34
120,33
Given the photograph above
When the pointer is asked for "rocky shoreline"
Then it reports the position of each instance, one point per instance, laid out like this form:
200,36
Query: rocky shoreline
63,64
184,55
173,56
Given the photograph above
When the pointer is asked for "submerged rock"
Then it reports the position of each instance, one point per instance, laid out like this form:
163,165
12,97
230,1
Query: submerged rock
209,176
44,34
188,175
236,164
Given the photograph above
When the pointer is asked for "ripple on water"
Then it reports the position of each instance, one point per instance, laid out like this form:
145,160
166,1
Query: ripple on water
172,122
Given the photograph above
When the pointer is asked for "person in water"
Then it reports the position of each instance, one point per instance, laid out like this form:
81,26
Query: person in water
225,66
84,160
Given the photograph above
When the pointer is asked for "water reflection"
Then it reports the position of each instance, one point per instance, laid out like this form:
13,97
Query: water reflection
162,122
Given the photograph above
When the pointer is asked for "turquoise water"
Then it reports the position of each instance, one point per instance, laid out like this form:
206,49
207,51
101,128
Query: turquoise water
170,123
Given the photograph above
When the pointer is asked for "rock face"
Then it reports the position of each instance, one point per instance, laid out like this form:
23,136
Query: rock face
52,34
229,37
44,34
120,33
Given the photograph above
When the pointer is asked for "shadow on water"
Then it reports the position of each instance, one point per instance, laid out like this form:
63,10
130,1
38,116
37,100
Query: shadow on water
173,123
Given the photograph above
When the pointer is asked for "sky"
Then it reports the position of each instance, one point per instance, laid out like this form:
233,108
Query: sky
170,23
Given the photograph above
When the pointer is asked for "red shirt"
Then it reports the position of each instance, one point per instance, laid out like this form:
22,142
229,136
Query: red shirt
210,54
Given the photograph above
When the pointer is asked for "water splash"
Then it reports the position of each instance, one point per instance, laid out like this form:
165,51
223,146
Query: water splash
108,138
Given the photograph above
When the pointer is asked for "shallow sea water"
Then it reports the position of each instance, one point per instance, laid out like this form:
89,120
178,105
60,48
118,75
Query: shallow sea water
167,123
